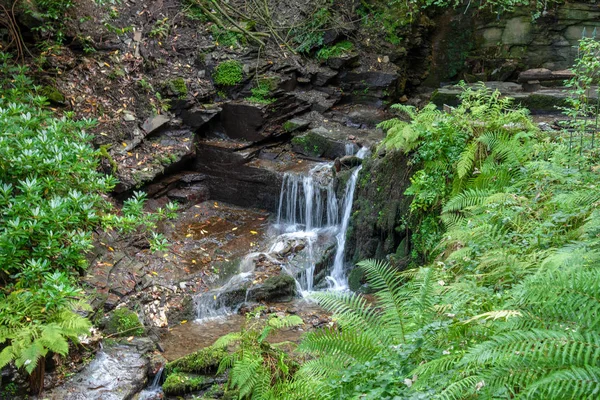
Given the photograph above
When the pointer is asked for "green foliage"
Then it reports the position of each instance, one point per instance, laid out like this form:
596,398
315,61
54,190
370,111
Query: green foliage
228,73
39,319
178,87
337,50
310,35
124,322
51,202
161,29
54,14
227,38
581,108
258,369
261,93
476,144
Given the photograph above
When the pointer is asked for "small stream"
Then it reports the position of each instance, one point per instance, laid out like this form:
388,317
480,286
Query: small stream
307,241
311,223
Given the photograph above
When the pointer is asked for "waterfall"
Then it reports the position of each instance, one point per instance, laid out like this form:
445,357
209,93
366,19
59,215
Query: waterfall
307,206
301,200
338,277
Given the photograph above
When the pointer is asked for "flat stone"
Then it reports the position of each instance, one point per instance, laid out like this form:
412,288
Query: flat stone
154,123
197,116
128,117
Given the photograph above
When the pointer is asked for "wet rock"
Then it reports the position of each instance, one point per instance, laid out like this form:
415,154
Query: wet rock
379,207
117,373
276,288
192,194
346,61
296,124
243,121
319,142
319,101
350,162
154,123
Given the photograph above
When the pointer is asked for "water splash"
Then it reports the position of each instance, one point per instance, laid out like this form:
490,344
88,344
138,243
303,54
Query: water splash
223,301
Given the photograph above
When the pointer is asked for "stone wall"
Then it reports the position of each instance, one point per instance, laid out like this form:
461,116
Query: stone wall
479,46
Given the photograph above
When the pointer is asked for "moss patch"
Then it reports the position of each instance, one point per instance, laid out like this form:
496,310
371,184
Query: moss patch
204,361
178,87
181,383
311,144
124,322
52,94
228,73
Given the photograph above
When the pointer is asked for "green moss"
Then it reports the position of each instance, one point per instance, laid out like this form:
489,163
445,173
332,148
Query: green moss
540,102
311,144
181,383
124,322
52,94
337,50
228,73
178,87
203,361
103,152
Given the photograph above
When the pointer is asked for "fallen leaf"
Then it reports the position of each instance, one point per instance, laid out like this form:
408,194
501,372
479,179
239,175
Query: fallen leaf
183,322
254,232
154,273
234,229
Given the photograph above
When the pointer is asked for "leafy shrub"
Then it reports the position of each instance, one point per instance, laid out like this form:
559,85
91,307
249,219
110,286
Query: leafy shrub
51,201
228,73
310,35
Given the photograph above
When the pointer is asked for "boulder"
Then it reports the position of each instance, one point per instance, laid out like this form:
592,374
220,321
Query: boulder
276,288
117,373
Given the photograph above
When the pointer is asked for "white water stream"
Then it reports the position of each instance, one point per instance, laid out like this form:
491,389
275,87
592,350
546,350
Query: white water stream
311,218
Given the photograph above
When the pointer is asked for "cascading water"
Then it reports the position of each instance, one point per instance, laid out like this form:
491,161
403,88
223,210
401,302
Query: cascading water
309,220
338,277
301,215
307,207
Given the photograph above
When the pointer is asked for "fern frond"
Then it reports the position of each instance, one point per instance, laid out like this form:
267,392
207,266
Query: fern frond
573,383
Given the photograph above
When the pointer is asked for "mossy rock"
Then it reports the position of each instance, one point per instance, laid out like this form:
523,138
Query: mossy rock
311,144
124,322
440,98
542,103
53,94
204,361
295,124
179,383
177,87
276,288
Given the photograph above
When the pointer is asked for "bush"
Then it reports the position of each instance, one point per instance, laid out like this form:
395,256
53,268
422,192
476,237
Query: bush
228,73
52,198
